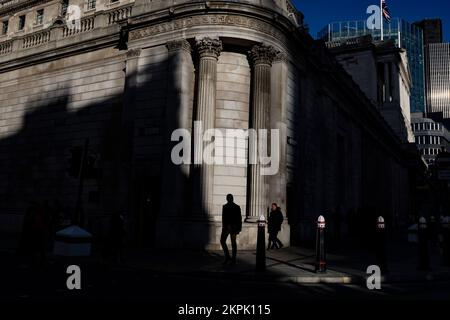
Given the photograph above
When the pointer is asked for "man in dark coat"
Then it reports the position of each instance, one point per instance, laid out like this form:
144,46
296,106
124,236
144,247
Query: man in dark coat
275,220
231,225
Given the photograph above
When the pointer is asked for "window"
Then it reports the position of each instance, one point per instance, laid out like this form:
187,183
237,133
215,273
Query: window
114,1
91,4
5,27
64,7
39,16
21,22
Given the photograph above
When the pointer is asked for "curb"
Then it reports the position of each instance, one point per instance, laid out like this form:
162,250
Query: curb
346,279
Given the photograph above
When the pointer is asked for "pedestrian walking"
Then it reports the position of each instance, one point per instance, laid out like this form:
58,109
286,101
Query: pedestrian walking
231,226
275,220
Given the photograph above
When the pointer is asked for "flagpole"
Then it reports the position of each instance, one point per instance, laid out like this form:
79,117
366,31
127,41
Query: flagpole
382,20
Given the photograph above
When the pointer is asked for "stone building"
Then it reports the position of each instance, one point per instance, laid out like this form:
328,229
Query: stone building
382,72
133,72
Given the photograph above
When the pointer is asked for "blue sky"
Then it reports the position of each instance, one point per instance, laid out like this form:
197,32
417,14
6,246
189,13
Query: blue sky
320,12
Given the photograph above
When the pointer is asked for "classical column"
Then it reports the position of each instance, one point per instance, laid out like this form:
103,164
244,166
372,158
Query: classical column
209,50
177,116
262,57
278,120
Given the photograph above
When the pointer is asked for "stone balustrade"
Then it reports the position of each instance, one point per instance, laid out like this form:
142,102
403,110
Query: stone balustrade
98,20
119,14
86,24
5,47
36,39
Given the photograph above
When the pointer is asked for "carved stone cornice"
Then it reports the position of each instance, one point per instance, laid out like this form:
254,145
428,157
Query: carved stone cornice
177,45
206,20
209,47
133,53
281,57
262,54
19,5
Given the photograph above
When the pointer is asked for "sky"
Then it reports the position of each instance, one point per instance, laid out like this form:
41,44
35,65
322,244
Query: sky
318,13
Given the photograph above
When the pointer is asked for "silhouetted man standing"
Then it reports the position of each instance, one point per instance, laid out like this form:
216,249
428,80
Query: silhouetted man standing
231,225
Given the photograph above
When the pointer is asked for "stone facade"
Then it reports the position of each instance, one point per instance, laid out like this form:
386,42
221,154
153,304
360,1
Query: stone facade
127,83
382,72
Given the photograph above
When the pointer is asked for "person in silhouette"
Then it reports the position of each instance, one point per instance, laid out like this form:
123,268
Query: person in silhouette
274,220
231,226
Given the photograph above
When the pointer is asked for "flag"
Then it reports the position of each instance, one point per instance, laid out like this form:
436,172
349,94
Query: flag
385,9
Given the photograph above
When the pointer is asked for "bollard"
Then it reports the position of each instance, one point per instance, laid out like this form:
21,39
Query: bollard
321,261
446,241
261,245
424,258
380,244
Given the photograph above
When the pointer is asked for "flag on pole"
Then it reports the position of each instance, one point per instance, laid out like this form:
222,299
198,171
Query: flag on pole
385,11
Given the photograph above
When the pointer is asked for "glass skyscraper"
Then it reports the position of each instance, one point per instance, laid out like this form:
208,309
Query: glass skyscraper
438,84
406,35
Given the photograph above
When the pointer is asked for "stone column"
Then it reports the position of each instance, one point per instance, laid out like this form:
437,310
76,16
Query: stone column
177,116
262,57
209,50
278,120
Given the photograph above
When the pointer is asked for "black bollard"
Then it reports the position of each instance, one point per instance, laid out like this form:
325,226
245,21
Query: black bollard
261,245
321,261
446,241
424,258
380,244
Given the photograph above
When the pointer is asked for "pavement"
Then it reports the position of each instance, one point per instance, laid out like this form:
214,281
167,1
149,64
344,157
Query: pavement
199,276
347,263
294,265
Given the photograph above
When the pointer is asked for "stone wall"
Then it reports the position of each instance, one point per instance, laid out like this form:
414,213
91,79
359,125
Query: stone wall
46,110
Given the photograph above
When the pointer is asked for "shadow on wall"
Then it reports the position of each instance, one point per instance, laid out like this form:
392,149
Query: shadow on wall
39,163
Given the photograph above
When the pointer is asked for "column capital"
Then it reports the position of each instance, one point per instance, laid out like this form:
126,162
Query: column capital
262,54
209,47
177,45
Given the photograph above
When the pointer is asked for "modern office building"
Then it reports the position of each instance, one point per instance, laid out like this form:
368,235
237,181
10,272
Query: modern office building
437,67
431,137
438,78
405,35
432,30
